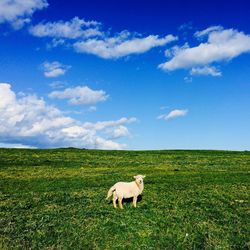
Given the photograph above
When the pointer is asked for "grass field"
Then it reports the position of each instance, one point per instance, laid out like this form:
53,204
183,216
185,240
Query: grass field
55,199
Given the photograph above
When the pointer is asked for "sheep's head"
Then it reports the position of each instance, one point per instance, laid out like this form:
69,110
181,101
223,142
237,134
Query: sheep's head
139,178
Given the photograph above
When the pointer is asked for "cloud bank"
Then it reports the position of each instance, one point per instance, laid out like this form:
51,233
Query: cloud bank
75,28
206,70
173,114
121,45
80,95
221,45
54,69
19,12
88,37
29,120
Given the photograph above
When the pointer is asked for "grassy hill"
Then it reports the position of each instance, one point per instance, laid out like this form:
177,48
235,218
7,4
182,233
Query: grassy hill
55,199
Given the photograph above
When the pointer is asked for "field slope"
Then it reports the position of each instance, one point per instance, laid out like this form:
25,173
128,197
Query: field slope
55,199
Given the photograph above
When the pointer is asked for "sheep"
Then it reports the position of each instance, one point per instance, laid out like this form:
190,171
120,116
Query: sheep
126,190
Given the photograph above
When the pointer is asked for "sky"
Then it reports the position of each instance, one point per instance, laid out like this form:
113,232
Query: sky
125,74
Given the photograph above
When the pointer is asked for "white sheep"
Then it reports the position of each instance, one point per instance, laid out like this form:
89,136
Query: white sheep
126,190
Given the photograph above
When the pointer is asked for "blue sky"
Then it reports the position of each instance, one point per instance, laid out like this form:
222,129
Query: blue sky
127,75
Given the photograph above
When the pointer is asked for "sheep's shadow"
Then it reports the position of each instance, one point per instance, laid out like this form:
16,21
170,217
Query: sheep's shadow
129,200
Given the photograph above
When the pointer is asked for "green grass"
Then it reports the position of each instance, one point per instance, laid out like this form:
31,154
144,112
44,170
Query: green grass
55,199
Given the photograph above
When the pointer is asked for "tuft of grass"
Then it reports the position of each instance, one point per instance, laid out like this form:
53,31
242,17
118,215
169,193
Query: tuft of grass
55,199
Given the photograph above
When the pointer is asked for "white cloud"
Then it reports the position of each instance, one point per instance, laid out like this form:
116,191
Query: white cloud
19,12
175,50
75,28
118,132
173,114
206,70
55,43
207,31
121,45
80,95
14,145
105,124
88,37
221,45
54,69
28,120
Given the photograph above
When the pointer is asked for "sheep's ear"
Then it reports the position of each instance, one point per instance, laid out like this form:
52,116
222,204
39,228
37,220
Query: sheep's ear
135,176
143,176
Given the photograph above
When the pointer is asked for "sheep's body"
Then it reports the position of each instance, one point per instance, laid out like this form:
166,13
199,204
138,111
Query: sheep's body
126,190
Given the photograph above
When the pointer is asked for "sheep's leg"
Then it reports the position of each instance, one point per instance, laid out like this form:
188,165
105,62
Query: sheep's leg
120,202
114,200
134,200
